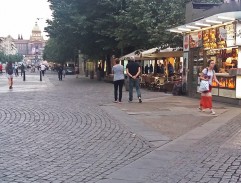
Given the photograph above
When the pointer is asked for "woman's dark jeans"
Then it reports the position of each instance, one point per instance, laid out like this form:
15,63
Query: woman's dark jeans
118,84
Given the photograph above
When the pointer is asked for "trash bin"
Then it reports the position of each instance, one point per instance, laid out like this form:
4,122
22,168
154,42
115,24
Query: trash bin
126,82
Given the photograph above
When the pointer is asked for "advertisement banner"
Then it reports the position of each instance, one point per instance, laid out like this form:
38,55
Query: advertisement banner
221,37
195,39
186,42
230,35
238,34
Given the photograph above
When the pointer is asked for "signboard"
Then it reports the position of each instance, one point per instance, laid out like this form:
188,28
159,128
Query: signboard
230,35
186,42
221,37
195,39
238,34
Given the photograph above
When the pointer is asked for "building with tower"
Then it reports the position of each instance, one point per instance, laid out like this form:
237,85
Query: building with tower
32,48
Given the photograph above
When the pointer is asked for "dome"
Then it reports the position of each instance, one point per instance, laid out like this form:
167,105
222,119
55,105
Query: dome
36,28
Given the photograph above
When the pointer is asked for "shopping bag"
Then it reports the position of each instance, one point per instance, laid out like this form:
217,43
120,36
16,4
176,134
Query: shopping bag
204,86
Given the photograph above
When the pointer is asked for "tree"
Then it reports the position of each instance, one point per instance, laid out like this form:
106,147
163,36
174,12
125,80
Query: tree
58,51
14,58
104,27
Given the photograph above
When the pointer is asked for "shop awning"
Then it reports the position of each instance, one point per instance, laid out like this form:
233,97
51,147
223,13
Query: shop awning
211,21
157,53
136,54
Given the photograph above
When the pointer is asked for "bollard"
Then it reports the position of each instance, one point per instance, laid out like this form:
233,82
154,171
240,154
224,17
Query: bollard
24,76
40,75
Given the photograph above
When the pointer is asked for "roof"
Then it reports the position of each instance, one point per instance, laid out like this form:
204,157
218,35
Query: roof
211,21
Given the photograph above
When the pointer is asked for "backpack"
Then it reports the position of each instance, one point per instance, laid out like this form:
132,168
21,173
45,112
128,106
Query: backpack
10,70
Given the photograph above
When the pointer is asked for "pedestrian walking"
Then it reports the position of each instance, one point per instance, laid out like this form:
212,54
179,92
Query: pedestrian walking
42,67
9,72
16,70
209,75
133,71
118,72
22,68
60,72
64,71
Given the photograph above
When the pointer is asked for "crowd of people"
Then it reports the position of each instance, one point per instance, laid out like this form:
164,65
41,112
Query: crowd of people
160,69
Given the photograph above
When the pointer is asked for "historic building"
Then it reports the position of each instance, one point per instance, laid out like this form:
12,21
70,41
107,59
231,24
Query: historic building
32,49
7,45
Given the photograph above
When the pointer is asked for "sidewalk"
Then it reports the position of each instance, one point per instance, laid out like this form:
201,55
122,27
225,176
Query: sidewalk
32,83
174,125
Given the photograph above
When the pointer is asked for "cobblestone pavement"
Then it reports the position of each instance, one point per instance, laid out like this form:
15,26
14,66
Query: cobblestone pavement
214,159
56,132
61,131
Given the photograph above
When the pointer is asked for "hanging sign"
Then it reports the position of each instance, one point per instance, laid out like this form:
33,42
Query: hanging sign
186,42
238,34
221,37
230,35
195,39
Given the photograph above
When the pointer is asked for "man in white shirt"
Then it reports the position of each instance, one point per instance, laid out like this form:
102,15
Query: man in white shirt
43,69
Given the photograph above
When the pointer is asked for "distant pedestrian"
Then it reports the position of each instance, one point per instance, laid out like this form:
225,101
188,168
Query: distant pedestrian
133,70
146,69
170,69
9,72
64,71
209,75
162,69
42,68
60,72
151,68
16,70
76,70
118,71
22,68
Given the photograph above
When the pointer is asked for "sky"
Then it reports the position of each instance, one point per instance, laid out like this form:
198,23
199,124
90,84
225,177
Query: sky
19,17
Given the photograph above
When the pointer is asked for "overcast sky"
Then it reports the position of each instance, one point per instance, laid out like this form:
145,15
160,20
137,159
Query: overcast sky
19,17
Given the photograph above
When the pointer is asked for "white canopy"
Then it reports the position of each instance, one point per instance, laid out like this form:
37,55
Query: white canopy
158,53
136,54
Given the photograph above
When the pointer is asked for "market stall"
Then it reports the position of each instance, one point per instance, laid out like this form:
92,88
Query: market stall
167,65
216,37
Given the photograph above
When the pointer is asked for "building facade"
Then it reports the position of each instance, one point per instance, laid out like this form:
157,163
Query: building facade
7,45
31,49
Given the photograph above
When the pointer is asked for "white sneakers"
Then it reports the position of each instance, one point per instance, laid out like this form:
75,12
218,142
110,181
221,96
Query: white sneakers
212,112
201,110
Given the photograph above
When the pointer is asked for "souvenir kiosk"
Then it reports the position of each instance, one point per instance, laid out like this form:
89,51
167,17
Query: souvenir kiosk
216,37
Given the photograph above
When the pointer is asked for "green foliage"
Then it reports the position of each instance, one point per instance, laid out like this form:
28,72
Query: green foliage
102,27
14,58
57,51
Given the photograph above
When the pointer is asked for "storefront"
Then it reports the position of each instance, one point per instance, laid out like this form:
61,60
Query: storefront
217,37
